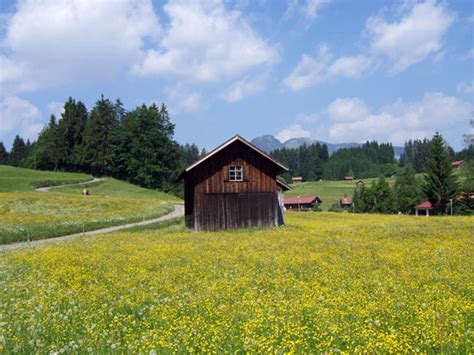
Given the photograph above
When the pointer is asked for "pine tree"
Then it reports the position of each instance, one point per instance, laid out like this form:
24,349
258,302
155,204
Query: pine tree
440,181
70,133
407,190
18,151
3,154
383,197
98,148
47,151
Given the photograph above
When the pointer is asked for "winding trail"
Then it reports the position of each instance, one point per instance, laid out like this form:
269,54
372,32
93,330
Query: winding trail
177,213
47,188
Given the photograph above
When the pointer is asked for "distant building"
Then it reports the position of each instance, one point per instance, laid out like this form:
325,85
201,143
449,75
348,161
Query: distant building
301,203
234,186
456,164
360,184
345,201
348,178
425,206
297,179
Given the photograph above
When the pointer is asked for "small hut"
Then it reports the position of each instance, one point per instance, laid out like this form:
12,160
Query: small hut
301,203
296,179
234,186
360,184
345,201
426,206
457,163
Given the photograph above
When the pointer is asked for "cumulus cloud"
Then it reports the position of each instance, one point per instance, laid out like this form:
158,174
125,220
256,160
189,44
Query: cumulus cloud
415,36
308,8
352,120
183,100
54,42
294,131
465,88
245,87
205,42
323,68
19,116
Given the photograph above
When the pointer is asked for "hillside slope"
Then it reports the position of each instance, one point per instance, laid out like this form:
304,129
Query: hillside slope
20,179
329,191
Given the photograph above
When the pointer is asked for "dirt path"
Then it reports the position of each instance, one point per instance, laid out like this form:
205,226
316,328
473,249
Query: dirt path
47,188
178,212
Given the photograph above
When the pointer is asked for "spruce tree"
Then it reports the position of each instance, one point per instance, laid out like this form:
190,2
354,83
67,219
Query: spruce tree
407,190
3,154
47,152
98,148
383,197
440,181
70,133
18,151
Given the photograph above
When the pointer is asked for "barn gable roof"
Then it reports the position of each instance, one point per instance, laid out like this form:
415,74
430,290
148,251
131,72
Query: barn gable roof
226,144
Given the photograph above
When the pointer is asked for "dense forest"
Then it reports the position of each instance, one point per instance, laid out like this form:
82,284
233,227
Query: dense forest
372,159
136,146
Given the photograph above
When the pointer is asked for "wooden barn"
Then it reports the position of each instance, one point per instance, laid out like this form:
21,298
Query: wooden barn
233,186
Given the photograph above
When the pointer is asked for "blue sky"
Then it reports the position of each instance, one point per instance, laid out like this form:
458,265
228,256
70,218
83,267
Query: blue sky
332,70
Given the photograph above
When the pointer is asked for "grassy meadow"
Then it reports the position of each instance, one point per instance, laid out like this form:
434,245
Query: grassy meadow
29,215
20,179
329,191
325,283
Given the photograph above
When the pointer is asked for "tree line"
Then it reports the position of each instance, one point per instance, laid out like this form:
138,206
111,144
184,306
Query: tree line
136,146
439,184
313,162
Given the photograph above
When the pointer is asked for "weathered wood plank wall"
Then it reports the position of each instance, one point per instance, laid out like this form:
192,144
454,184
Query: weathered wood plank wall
213,202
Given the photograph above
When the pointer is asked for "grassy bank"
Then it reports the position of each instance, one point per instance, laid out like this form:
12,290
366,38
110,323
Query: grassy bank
20,179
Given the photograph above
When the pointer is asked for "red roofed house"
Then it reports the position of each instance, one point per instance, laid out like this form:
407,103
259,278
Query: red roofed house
348,178
424,206
297,179
301,203
345,201
456,164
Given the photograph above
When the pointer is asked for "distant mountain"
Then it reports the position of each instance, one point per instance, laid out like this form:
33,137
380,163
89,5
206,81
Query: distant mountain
269,143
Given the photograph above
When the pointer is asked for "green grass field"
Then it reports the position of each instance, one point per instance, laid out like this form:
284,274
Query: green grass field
19,179
116,188
327,282
329,191
29,215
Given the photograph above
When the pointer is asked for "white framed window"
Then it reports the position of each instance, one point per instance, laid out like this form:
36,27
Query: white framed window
236,173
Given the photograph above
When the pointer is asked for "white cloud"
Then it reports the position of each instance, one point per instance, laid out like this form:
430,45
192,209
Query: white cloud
310,71
183,100
294,131
56,108
245,87
54,42
347,110
308,8
312,7
353,121
415,36
465,88
19,116
205,42
308,118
